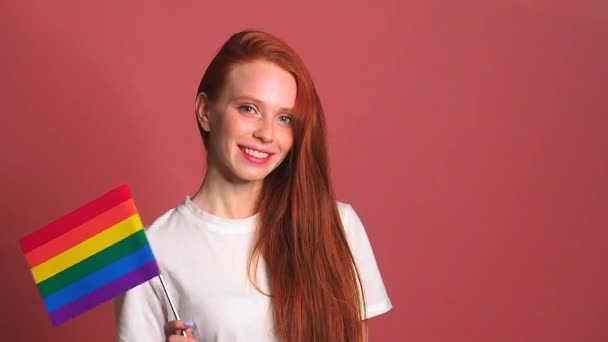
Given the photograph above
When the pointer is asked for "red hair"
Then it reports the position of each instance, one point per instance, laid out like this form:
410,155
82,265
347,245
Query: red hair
314,283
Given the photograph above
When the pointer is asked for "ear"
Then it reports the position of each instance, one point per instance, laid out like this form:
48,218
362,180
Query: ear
202,107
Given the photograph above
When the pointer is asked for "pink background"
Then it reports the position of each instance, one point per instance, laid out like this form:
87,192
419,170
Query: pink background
471,137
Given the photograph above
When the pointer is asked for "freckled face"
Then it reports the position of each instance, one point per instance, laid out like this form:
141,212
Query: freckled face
249,125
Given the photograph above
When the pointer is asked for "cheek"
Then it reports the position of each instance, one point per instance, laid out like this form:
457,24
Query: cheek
243,128
232,127
285,139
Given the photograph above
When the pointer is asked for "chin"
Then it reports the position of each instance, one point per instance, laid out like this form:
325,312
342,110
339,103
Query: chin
251,176
253,173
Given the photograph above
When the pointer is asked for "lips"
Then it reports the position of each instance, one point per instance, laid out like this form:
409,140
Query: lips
255,153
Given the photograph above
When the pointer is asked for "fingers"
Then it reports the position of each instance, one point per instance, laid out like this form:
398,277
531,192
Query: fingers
189,336
176,327
179,338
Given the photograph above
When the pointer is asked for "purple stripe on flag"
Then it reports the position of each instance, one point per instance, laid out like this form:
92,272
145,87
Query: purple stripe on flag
103,294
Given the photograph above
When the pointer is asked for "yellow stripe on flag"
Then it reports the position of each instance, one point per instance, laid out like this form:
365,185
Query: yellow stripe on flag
92,246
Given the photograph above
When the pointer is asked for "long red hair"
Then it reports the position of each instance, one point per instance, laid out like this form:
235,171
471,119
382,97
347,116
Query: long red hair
314,283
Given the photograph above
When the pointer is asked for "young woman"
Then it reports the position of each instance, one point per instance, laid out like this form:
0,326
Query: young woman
262,251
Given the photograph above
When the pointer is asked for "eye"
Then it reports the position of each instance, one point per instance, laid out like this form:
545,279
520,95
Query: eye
286,119
246,109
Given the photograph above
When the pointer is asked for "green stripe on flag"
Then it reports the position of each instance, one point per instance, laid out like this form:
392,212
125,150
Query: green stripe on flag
93,263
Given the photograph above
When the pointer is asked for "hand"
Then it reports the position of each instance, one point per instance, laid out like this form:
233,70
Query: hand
173,331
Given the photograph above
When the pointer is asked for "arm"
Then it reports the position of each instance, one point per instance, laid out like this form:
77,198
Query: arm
140,314
375,294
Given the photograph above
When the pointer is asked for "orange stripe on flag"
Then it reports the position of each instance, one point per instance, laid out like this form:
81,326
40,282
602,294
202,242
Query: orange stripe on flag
75,218
82,233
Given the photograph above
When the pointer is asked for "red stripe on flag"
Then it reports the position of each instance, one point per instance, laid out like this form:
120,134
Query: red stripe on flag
75,218
82,233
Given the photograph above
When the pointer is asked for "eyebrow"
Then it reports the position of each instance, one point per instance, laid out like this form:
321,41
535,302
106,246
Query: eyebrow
259,103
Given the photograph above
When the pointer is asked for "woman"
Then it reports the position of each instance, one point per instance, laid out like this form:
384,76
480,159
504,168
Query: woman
262,251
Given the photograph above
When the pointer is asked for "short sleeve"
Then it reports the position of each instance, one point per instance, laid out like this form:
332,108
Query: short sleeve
139,315
376,298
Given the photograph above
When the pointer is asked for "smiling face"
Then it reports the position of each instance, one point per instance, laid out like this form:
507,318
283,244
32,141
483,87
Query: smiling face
249,124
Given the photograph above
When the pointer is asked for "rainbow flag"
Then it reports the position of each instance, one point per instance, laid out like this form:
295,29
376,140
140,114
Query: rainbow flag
90,256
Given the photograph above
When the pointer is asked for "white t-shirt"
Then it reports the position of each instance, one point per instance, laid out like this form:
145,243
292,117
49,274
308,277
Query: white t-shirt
204,262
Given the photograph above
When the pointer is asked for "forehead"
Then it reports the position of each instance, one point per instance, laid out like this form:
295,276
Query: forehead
264,81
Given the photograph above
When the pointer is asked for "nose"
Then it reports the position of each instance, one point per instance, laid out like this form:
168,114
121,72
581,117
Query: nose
264,131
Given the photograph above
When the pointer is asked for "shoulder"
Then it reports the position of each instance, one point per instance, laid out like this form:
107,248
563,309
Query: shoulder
353,226
350,219
162,226
344,208
376,296
163,223
168,231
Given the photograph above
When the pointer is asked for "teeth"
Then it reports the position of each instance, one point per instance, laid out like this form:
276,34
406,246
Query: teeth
254,153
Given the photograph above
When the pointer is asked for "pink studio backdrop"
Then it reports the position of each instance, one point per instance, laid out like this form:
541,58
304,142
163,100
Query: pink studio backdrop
471,137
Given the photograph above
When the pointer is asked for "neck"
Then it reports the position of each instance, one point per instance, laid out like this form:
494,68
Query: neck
225,198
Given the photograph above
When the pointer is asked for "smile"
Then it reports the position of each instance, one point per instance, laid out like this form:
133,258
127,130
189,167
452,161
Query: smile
255,153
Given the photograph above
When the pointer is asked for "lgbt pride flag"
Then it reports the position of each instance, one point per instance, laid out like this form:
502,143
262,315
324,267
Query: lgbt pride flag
90,256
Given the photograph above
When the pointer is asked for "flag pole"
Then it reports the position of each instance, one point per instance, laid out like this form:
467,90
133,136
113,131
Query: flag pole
166,289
